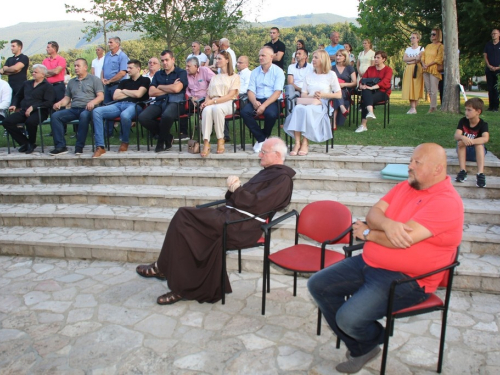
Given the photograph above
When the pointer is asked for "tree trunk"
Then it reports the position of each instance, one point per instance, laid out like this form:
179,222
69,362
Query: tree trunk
451,91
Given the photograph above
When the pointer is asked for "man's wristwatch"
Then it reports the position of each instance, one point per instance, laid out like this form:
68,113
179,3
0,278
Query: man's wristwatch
215,101
366,232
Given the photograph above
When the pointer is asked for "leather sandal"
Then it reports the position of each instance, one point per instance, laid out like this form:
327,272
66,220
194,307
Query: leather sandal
150,270
169,299
206,149
220,146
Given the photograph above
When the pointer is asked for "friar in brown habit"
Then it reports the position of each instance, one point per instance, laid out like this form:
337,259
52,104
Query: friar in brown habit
191,255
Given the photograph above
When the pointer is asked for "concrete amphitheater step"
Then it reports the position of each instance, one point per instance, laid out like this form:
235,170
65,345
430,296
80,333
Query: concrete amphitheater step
476,272
373,158
477,211
305,179
477,239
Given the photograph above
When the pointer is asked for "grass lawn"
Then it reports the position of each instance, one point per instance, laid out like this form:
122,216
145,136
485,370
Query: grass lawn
403,130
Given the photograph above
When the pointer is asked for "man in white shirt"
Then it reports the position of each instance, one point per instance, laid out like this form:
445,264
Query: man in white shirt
244,72
97,62
296,74
224,46
153,67
5,98
202,58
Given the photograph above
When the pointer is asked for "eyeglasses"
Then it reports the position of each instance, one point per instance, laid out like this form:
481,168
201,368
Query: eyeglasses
433,34
413,37
263,152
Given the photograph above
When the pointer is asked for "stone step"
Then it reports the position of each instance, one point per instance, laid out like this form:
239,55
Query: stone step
306,178
477,239
373,158
476,272
477,211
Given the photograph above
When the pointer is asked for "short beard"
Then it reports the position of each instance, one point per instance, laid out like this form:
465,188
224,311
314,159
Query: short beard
415,184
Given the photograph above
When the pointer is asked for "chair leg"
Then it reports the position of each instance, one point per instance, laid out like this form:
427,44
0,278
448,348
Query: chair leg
223,281
388,329
264,281
318,329
295,284
239,260
441,340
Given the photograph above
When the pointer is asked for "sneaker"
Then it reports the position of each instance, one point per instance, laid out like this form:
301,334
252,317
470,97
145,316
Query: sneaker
361,129
78,150
370,115
99,151
257,146
481,180
123,147
461,176
355,364
58,151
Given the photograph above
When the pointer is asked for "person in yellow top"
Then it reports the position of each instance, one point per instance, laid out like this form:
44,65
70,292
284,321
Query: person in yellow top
432,57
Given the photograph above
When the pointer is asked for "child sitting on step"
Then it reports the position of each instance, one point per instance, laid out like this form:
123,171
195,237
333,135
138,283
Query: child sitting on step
471,136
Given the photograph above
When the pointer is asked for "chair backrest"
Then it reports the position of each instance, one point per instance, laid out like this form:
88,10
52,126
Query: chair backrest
186,104
444,281
325,220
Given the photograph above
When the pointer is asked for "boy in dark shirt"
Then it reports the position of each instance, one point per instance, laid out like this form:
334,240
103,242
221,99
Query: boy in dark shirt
471,136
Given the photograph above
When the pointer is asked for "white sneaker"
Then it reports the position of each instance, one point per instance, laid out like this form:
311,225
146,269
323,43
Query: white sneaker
370,115
257,146
361,129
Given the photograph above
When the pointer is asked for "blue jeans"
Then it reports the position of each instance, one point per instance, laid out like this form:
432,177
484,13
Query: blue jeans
125,110
355,321
108,97
59,118
270,116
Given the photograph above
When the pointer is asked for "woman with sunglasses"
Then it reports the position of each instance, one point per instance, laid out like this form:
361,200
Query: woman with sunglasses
431,60
413,79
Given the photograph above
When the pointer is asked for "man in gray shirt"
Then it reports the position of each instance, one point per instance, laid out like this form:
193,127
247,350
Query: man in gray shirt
85,91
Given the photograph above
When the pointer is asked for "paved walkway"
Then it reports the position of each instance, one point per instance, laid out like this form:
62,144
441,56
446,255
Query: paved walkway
92,317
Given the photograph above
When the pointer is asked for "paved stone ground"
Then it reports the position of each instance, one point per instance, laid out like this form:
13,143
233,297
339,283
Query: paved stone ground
92,317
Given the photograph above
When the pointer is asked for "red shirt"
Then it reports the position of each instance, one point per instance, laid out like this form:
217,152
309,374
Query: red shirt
52,63
385,76
440,210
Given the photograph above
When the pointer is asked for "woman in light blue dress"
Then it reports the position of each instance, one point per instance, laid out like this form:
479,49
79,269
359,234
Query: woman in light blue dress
311,121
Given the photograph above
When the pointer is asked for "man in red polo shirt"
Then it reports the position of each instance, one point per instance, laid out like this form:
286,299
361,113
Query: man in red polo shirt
414,229
56,68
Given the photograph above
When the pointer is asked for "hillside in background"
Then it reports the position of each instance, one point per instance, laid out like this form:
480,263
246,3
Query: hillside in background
306,19
68,34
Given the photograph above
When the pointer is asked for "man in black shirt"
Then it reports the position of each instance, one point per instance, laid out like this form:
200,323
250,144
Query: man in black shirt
16,67
492,59
129,92
278,47
33,94
169,88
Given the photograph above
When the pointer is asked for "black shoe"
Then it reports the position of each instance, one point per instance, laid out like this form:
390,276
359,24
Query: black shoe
78,150
227,138
481,180
461,176
31,148
58,151
169,142
23,148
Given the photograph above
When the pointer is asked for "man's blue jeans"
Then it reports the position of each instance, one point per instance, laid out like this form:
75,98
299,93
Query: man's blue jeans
270,116
108,97
355,321
59,118
125,110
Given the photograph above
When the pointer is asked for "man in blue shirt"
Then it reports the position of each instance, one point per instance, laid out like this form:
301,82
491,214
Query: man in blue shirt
334,47
169,88
264,89
114,69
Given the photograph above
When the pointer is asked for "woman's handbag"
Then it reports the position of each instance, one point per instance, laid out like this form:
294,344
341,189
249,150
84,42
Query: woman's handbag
193,146
308,101
370,81
415,71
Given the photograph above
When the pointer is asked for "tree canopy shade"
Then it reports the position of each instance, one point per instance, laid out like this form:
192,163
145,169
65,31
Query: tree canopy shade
175,22
389,22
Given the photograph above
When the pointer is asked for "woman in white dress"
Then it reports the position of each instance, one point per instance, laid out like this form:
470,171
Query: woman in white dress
223,88
366,58
312,120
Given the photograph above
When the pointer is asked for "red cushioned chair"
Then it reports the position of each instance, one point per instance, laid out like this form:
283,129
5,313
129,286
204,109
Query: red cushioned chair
387,106
326,222
235,116
433,303
267,216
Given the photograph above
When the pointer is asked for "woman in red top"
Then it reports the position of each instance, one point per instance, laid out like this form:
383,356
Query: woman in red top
375,93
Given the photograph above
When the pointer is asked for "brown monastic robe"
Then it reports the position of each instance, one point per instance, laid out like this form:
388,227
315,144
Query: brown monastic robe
191,255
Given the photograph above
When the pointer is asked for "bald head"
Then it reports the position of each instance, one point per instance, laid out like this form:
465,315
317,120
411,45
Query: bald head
427,166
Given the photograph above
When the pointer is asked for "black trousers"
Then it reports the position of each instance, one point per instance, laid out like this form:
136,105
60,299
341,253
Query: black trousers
11,125
167,112
491,80
369,97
